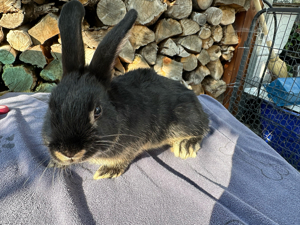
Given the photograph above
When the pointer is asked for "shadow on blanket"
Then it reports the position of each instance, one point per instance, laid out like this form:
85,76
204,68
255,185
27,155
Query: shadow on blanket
235,179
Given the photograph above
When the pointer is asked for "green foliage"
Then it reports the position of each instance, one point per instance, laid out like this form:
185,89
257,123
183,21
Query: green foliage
294,38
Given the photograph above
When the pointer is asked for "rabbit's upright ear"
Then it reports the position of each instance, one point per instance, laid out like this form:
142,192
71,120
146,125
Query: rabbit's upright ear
71,38
110,47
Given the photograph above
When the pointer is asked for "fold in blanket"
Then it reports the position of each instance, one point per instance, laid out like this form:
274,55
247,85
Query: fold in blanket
236,178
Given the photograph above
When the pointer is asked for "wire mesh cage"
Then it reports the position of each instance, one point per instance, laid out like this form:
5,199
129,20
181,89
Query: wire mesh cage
265,95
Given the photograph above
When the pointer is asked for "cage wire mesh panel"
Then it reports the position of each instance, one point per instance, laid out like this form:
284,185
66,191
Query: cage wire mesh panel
265,95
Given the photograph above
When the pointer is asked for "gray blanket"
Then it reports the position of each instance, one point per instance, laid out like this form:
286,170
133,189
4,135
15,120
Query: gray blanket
236,178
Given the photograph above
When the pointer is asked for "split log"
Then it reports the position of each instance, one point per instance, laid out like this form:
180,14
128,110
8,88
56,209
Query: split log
119,66
207,43
189,27
148,11
88,55
45,87
198,89
228,15
195,77
46,28
127,53
213,87
192,43
229,36
214,52
203,57
149,52
56,51
213,15
204,32
10,6
111,12
167,28
141,36
7,54
216,69
19,78
168,47
12,20
53,71
227,52
19,39
34,56
200,18
217,33
202,4
182,52
169,68
93,38
189,63
138,62
179,9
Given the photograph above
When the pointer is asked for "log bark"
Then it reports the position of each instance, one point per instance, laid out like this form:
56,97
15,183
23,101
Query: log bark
217,33
207,43
149,53
189,63
216,69
111,12
228,15
203,57
167,28
229,36
213,87
179,9
214,52
7,54
213,15
1,35
127,53
19,78
141,36
192,43
46,28
202,4
168,47
204,32
19,39
138,62
53,71
200,18
148,11
34,56
189,27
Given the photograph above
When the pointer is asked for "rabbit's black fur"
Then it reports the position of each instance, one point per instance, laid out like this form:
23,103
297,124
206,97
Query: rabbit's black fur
96,119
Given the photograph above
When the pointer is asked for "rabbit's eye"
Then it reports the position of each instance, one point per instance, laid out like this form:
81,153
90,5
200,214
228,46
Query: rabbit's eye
97,112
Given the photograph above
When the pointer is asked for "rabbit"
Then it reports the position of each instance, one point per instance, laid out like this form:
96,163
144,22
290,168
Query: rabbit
94,118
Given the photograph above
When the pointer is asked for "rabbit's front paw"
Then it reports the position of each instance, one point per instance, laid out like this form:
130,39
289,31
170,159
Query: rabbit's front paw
108,172
186,148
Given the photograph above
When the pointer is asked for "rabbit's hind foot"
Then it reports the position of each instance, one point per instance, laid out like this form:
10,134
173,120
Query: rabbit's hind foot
186,147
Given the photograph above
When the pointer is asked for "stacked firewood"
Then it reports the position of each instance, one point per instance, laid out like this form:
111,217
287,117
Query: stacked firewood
184,40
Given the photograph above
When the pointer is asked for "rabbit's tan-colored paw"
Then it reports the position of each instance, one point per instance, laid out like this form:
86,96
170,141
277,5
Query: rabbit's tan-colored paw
185,148
108,172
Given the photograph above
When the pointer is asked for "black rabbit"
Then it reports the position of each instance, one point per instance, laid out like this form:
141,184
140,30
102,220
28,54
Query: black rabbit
109,122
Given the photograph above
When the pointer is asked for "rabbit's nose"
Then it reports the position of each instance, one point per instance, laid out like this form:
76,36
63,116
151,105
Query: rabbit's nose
69,154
